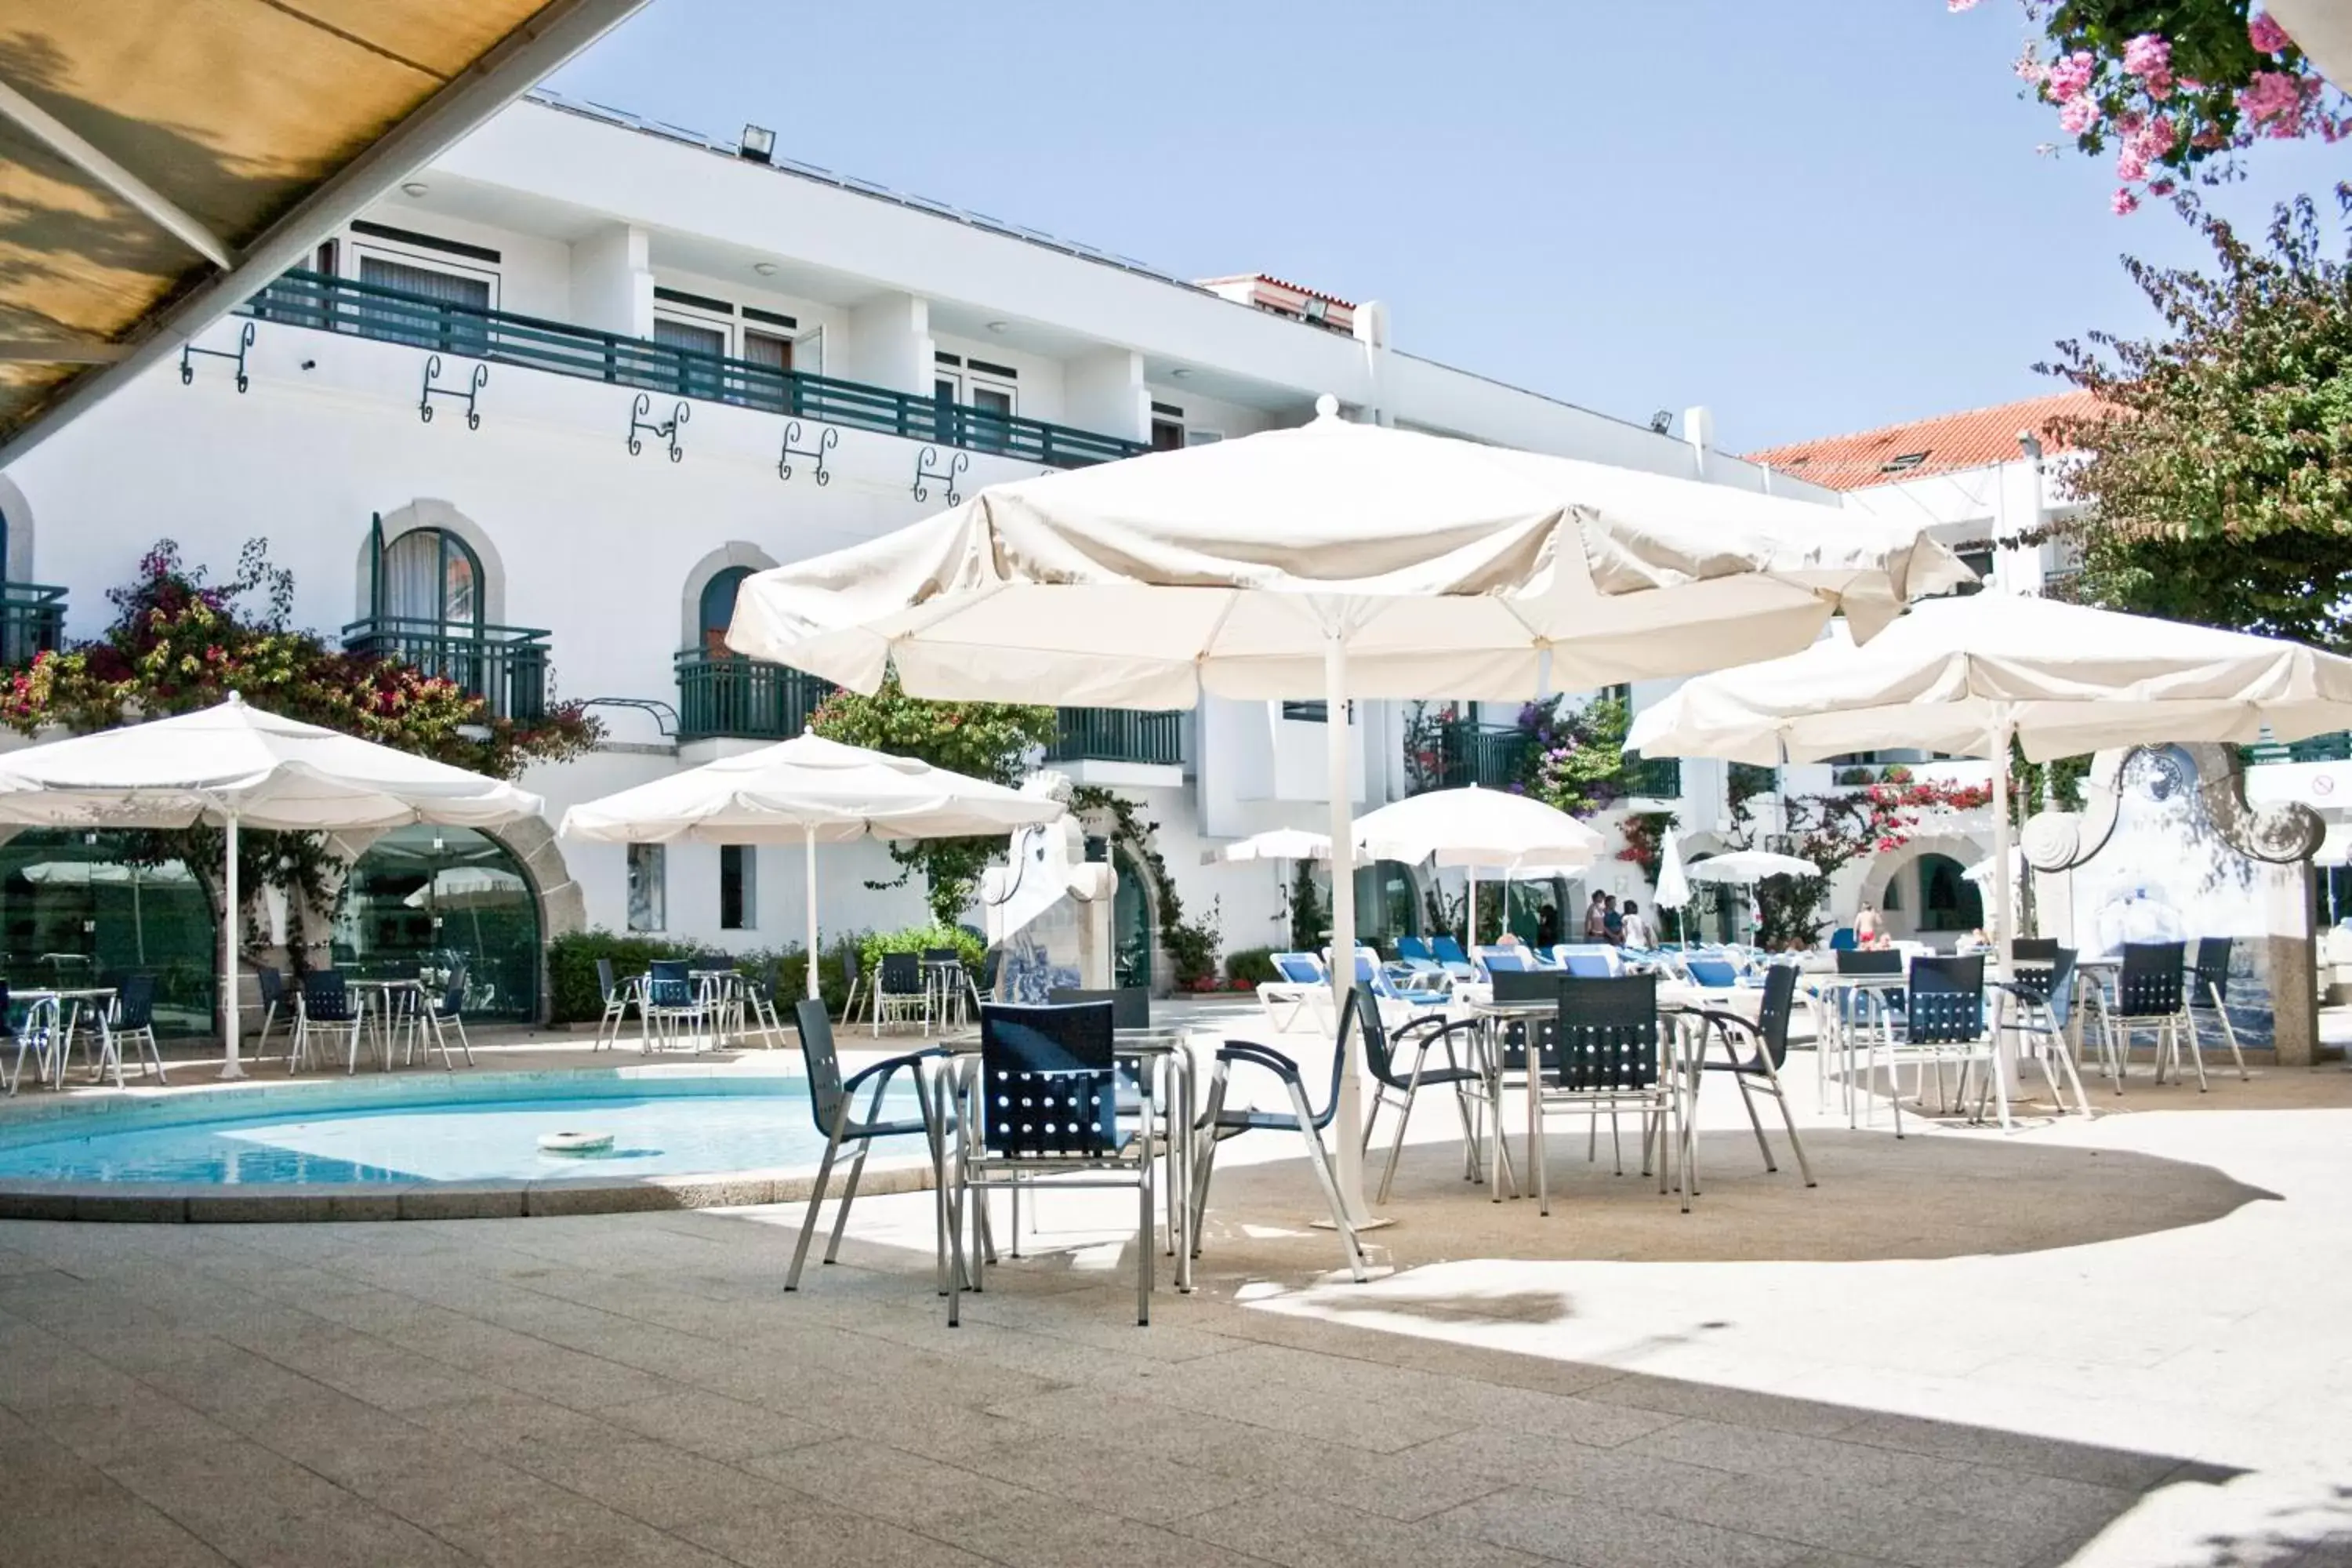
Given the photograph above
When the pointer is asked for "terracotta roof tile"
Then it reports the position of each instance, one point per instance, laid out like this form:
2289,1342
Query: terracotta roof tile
1946,444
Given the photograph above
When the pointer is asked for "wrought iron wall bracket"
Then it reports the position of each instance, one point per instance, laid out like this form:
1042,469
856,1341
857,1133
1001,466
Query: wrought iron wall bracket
928,466
469,393
827,439
188,367
666,430
664,716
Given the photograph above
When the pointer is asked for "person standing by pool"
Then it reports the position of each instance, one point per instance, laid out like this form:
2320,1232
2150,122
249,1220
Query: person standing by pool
1612,924
1546,927
1596,918
1636,931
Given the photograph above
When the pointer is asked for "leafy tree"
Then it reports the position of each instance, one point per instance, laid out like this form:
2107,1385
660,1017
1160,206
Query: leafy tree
1577,761
2178,88
990,741
180,642
2220,467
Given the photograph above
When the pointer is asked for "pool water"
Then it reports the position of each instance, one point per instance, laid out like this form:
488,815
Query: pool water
494,1140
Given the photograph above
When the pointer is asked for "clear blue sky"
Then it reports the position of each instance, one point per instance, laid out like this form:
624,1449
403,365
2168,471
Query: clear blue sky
1815,215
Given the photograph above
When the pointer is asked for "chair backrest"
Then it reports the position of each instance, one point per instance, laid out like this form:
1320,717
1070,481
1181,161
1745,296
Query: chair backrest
1047,1088
1588,966
2034,950
1945,1004
325,998
1412,948
901,974
1504,961
2149,985
272,984
942,955
453,996
990,963
135,1002
1447,949
1300,968
2212,965
1528,984
607,984
1772,1015
1608,1032
1379,1052
849,966
2060,997
821,1061
1869,960
1717,974
1130,1006
1843,939
669,982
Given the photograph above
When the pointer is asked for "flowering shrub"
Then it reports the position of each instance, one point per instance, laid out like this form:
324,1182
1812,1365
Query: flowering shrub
2174,88
1835,830
1577,760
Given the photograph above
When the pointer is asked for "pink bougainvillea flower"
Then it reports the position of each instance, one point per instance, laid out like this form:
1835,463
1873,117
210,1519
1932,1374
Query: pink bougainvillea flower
2274,102
2265,34
2149,55
1956,6
2123,203
2077,115
2155,137
2130,165
2070,75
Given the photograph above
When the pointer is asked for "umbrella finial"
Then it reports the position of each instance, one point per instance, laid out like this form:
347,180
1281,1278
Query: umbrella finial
1327,406
236,699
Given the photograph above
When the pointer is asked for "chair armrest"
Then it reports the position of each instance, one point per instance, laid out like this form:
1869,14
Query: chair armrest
883,1069
1257,1054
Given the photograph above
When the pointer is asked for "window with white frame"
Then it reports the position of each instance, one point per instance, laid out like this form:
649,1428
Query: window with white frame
648,886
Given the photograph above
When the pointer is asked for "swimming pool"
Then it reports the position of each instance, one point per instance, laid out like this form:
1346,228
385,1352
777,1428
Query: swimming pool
477,1130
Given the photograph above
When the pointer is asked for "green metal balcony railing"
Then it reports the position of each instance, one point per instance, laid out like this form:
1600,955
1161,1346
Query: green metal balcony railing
2336,748
306,298
1492,756
727,695
32,621
1654,778
1118,735
504,666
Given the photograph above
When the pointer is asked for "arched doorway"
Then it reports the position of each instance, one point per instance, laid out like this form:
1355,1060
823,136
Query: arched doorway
1388,904
422,897
1130,923
86,908
433,577
717,610
1948,901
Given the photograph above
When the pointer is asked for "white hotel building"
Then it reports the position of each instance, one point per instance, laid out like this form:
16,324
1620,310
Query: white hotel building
530,418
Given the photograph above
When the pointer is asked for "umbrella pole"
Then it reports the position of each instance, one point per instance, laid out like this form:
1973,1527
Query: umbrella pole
810,856
1348,1122
229,1064
2004,933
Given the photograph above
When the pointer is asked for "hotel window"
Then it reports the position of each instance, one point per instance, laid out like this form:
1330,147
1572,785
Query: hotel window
442,309
717,609
1167,427
431,577
648,889
738,886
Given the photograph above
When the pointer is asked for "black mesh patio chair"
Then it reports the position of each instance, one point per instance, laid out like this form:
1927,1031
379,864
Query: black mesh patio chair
1609,1058
760,1001
1944,1027
899,992
2209,986
2152,993
435,1016
1221,1122
324,1009
133,1023
983,987
1397,1087
2034,950
851,973
616,995
271,986
1130,1006
1754,1052
1044,1113
2041,1006
833,1105
671,999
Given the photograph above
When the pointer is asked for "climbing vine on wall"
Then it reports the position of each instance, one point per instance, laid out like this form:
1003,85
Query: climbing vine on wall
1191,945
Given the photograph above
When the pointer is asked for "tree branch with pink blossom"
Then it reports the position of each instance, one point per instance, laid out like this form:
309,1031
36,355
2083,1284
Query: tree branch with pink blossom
2175,89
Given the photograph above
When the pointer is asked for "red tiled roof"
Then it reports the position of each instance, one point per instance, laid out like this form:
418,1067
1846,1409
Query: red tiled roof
1946,444
1279,283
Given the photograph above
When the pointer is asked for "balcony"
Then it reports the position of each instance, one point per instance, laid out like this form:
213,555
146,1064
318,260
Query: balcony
2336,748
1654,778
506,667
1492,756
1118,735
32,621
305,298
727,696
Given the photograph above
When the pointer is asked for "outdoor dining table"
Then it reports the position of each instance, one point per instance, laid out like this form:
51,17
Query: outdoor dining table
69,1001
948,1093
1837,1001
381,990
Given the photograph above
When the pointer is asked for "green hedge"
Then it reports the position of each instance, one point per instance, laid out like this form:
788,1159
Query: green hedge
1251,966
915,938
574,996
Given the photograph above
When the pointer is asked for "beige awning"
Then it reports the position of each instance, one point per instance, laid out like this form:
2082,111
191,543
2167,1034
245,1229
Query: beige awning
162,159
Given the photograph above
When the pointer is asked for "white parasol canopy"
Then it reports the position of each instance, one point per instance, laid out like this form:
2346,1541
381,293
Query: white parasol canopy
1744,866
235,765
1332,561
1964,675
1276,844
1476,829
808,791
468,887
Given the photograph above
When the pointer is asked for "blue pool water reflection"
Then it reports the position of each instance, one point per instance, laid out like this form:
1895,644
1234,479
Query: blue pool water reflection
494,1140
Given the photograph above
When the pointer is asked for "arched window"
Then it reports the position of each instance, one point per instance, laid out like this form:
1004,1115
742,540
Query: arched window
717,610
430,574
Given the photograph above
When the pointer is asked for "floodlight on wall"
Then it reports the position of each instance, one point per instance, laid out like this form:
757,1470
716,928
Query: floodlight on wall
414,188
759,144
1315,310
764,268
1663,420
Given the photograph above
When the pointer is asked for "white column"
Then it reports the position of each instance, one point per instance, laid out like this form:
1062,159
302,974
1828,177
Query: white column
1348,1124
2004,902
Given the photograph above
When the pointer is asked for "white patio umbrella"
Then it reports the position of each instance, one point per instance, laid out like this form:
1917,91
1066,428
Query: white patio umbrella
1673,886
1332,561
235,765
467,887
807,790
1276,844
1745,865
1474,828
1964,675
113,874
